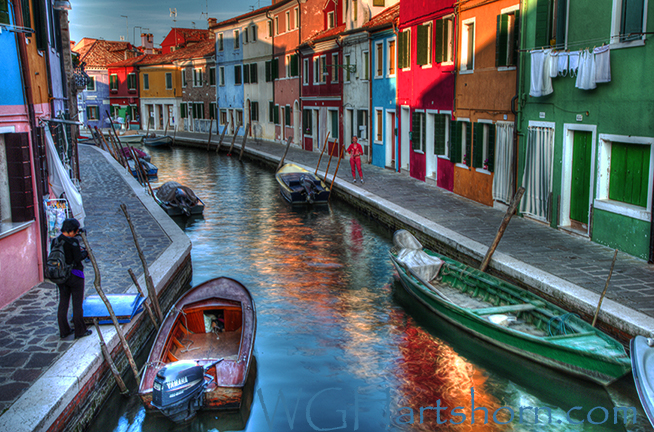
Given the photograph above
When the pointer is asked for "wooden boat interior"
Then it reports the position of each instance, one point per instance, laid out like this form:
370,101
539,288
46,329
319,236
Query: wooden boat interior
292,180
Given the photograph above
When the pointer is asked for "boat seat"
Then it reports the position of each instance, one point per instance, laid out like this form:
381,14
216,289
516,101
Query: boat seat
523,307
171,357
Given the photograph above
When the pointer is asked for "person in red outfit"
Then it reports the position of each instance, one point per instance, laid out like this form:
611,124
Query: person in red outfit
355,150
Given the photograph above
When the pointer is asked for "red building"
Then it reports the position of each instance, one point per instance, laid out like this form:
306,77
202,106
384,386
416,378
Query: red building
322,80
425,89
182,38
124,91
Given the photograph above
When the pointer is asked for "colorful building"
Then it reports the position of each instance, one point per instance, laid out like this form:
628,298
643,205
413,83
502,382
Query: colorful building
124,92
160,85
179,38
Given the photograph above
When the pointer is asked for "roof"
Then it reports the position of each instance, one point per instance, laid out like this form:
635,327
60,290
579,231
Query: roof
325,35
102,53
383,19
191,35
248,14
206,48
129,62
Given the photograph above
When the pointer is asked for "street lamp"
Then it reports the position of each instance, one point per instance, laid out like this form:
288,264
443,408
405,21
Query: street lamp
61,5
126,27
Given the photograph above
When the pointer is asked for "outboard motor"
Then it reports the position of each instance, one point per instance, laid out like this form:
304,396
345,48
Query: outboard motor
179,388
309,187
182,200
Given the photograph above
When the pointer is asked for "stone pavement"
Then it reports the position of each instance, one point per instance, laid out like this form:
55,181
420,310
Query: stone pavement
554,257
29,336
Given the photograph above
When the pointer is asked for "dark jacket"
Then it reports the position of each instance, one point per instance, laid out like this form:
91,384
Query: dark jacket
73,251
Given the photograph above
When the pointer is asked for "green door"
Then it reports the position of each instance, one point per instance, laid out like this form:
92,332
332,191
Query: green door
580,189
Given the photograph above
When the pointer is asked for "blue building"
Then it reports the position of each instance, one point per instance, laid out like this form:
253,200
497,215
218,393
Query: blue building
230,75
383,88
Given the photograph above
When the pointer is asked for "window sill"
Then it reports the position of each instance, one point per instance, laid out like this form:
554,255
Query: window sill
628,210
376,142
483,171
506,68
9,228
464,166
629,44
466,72
419,152
443,157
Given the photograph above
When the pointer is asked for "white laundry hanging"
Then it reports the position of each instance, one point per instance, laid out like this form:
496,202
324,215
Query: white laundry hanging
553,64
562,67
573,63
586,72
541,82
602,64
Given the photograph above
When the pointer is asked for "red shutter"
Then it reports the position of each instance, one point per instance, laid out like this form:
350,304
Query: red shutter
19,172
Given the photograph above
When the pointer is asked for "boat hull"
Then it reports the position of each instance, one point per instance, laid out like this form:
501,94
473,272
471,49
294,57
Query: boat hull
642,361
163,141
600,369
293,191
196,210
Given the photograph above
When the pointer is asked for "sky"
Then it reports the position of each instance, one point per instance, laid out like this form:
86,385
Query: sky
106,19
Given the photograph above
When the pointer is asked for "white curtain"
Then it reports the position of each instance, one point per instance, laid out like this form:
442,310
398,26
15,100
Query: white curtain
503,178
322,133
537,179
59,180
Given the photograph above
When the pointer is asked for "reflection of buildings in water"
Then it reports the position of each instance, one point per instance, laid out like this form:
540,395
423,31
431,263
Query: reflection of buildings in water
429,371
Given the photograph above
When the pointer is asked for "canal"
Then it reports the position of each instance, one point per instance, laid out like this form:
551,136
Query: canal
338,346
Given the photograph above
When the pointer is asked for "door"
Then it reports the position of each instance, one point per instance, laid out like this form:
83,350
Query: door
406,142
390,140
580,185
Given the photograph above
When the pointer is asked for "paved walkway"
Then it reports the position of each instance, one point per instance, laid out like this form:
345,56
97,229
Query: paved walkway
29,336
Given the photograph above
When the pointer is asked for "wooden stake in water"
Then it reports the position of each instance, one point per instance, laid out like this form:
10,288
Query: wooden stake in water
505,222
107,357
222,135
335,172
238,128
321,153
246,132
606,286
210,130
288,145
146,304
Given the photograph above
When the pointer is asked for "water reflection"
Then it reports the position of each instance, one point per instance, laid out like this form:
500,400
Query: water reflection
335,346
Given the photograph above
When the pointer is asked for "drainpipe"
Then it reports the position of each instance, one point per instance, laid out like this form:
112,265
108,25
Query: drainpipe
340,48
397,107
517,113
272,61
651,234
299,74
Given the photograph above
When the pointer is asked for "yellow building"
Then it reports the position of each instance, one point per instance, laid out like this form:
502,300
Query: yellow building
160,92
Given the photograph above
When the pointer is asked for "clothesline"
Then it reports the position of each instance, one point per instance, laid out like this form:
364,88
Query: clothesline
583,43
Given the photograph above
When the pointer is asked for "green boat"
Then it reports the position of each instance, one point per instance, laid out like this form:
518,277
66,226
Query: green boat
506,316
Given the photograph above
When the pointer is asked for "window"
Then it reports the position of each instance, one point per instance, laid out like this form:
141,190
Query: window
221,76
551,22
254,111
239,117
220,42
346,60
297,17
213,111
131,82
183,77
237,39
197,77
198,110
90,85
628,20
288,66
366,65
307,122
4,12
237,75
362,124
404,57
418,131
254,73
379,60
379,125
483,147
334,67
273,112
423,44
270,29
468,45
246,74
212,76
287,116
272,70
506,43
276,25
460,138
254,32
391,57
169,81
92,113
355,10
305,72
223,117
288,20
444,41
183,110
113,82
330,20
246,36
333,124
380,3
323,69
442,135
146,82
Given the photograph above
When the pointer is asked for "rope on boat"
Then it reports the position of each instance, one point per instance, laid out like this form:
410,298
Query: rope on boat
187,346
561,328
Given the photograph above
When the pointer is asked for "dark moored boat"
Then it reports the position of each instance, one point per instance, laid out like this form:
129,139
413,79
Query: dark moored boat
509,317
299,186
162,141
149,168
642,365
202,354
178,200
127,153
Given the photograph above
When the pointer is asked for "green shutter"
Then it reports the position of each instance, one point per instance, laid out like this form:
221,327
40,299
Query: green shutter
334,119
268,71
246,74
439,134
515,47
4,11
491,148
183,108
27,20
478,147
501,40
632,19
401,51
254,69
276,111
422,45
468,143
271,112
456,131
287,115
416,131
629,173
543,16
438,42
295,65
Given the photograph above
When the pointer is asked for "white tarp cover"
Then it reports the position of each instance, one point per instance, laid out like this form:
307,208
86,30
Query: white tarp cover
412,256
60,182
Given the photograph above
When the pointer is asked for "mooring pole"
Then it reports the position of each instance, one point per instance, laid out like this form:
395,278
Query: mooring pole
321,153
246,132
146,304
606,286
238,128
107,357
222,135
281,161
335,172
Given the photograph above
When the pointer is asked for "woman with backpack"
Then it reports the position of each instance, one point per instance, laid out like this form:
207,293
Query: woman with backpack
73,286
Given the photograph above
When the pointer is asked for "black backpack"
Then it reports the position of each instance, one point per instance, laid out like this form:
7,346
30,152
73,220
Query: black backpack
56,268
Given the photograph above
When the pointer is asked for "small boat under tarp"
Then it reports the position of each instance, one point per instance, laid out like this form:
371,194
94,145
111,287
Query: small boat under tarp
202,354
178,200
642,366
149,168
161,141
299,186
127,153
504,315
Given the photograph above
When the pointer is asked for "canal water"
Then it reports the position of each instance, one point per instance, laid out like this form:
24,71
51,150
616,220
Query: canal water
338,345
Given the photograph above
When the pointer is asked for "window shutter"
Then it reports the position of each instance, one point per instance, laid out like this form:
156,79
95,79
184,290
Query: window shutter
561,13
254,69
19,176
478,147
632,19
468,143
422,45
491,148
501,40
456,128
287,115
514,45
416,130
271,112
438,42
183,108
246,74
294,65
401,54
275,68
268,71
4,11
439,134
276,114
543,15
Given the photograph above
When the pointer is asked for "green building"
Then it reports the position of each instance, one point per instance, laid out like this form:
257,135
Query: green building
586,136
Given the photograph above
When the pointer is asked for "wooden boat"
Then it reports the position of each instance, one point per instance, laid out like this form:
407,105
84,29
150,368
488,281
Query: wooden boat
178,200
642,364
507,316
162,141
202,354
131,138
127,153
149,168
299,186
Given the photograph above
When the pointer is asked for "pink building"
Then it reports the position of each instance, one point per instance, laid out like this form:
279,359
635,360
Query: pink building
425,95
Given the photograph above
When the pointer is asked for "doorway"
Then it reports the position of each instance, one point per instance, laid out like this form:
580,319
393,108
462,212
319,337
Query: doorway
406,143
391,133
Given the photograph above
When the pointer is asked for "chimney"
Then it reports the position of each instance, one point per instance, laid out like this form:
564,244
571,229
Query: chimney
212,22
147,42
